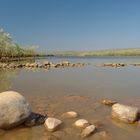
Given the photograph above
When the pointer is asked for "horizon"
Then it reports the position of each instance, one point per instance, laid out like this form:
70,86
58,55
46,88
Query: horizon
73,25
101,50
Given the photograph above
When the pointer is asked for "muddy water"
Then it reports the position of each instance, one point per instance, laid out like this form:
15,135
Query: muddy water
55,91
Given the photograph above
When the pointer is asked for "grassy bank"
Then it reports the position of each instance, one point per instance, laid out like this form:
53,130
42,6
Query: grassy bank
117,52
9,49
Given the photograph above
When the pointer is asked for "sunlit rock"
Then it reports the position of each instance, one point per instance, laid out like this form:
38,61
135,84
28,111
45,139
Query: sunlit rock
70,114
124,113
81,123
14,109
88,130
52,124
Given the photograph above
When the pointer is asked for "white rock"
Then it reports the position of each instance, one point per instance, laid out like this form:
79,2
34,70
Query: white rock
14,109
52,123
70,114
124,113
88,130
81,123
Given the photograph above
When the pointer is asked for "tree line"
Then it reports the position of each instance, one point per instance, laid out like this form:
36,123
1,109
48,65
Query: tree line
9,48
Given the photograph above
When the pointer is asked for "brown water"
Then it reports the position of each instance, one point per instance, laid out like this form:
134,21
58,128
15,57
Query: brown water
58,90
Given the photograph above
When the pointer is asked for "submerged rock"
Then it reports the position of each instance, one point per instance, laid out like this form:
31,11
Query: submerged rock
103,133
70,114
35,119
108,102
81,123
88,130
14,109
124,113
52,124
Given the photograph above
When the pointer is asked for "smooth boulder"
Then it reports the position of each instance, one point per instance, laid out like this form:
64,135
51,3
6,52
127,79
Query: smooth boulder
127,114
14,109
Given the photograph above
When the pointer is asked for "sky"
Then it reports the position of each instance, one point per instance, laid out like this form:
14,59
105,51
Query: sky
72,25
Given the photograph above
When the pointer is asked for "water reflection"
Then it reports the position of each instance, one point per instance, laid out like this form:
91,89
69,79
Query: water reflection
6,77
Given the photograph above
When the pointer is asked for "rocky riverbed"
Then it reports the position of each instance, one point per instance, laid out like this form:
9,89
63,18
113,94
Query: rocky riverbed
66,120
45,65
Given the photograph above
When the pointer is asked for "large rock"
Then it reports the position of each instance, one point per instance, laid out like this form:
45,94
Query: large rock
124,113
52,124
14,109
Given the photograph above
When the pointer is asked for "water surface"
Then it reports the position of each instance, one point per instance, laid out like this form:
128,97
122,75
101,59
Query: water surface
58,90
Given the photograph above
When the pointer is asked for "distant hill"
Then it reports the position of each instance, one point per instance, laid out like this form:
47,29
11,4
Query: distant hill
109,52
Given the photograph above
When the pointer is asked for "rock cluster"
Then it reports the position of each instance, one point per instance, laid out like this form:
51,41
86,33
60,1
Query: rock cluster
15,110
88,128
124,113
137,64
114,65
45,65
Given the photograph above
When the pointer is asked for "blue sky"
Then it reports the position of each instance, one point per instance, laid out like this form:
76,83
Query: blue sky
80,25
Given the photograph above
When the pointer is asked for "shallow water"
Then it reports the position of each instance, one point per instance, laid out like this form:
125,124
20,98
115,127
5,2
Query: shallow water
58,90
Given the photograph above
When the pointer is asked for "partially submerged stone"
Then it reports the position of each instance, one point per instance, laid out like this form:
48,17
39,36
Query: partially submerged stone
88,131
127,114
70,114
35,119
108,102
81,123
14,109
52,124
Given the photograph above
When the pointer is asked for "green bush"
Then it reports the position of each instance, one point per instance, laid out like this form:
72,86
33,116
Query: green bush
8,47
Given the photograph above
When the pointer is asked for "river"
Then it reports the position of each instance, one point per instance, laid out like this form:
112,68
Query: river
58,90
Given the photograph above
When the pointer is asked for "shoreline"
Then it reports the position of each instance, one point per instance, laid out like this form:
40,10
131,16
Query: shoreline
7,59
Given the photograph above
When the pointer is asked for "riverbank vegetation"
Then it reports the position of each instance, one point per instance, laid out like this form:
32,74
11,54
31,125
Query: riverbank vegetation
9,49
116,52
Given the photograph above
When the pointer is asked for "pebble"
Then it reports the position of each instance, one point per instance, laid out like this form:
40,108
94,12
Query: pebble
88,131
52,124
81,123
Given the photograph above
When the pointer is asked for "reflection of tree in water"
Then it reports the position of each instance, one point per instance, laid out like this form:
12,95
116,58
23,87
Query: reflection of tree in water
6,78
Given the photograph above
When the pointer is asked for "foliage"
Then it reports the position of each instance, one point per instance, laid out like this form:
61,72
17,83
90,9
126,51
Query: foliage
9,48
